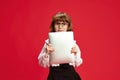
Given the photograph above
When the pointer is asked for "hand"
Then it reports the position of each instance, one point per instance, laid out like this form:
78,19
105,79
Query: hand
49,48
74,49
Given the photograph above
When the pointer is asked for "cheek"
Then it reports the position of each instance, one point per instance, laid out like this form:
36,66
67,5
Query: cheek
55,28
66,27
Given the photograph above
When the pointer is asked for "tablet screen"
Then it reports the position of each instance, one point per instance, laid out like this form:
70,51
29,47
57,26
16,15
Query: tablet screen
63,43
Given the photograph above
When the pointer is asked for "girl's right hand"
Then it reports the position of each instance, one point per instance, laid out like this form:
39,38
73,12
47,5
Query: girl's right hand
49,49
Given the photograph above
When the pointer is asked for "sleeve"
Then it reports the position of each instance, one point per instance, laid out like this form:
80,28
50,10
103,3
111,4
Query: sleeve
78,59
42,60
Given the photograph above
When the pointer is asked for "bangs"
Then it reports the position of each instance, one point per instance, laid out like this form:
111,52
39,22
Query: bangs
61,18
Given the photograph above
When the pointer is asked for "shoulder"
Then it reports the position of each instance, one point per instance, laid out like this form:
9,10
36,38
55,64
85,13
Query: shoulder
74,41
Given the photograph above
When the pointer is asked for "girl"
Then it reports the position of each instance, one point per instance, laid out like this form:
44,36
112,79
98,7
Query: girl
61,22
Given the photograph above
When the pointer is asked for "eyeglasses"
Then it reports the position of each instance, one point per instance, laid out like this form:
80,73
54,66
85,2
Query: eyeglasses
61,23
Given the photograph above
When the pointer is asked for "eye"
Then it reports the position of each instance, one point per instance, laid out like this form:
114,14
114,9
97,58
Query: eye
63,23
57,23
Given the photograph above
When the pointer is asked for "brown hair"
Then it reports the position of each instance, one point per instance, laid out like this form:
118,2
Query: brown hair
61,16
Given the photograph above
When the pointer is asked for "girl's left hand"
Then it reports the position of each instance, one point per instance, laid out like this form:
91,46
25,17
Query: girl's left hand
74,49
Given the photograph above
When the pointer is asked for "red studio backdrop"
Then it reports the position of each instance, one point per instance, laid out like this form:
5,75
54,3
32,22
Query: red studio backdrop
24,25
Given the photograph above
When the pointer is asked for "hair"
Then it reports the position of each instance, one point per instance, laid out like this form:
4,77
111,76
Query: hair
61,16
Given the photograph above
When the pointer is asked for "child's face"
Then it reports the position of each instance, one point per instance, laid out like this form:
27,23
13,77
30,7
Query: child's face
61,26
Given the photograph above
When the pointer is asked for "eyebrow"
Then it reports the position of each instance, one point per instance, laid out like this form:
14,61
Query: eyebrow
61,22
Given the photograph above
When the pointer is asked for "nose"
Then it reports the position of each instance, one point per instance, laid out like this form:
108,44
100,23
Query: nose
60,26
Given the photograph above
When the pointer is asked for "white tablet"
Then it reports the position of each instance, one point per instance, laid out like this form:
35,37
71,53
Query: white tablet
63,43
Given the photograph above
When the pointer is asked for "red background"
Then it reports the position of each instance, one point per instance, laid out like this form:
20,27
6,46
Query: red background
24,26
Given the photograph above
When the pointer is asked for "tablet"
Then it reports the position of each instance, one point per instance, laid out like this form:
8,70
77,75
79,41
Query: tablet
63,43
